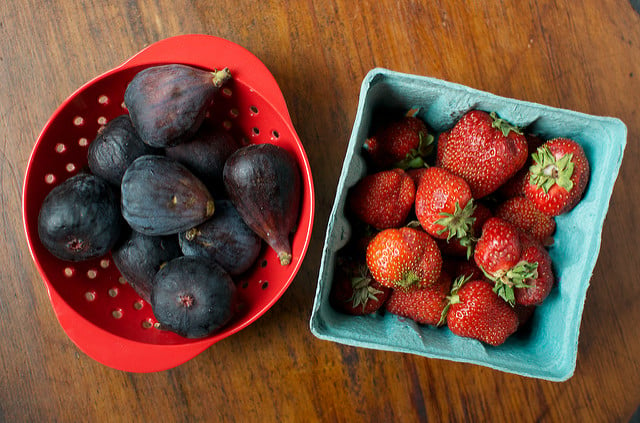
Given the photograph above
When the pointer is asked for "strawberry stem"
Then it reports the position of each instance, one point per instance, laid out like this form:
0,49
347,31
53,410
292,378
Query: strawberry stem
453,297
415,157
547,171
458,225
503,125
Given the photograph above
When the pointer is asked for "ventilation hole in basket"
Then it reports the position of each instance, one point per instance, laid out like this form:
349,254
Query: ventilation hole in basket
103,99
117,313
226,124
234,113
275,135
254,110
69,271
146,324
90,296
61,148
92,273
138,305
102,120
226,91
263,264
83,142
70,167
49,178
104,263
264,284
122,280
255,132
113,292
78,121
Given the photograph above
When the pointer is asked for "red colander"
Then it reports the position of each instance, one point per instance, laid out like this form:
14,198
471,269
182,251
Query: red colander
95,306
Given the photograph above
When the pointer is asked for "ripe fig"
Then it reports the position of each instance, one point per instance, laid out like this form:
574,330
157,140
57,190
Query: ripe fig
193,297
162,197
115,147
264,184
80,218
140,256
205,155
225,238
168,103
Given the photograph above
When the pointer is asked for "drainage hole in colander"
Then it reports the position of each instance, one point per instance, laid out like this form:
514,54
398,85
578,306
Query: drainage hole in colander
102,120
263,263
117,313
103,99
104,263
234,113
138,305
69,271
70,167
49,178
113,292
254,110
226,91
92,273
255,132
147,324
61,148
78,121
245,285
275,135
122,280
226,124
124,106
83,142
264,284
90,295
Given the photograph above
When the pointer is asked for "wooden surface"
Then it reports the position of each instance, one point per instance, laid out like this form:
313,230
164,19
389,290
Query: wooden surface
583,56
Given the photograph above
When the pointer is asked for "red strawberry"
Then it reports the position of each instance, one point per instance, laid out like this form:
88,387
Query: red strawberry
454,247
514,187
498,250
484,150
558,176
404,258
540,283
444,205
475,311
524,314
424,305
354,291
383,199
403,143
523,214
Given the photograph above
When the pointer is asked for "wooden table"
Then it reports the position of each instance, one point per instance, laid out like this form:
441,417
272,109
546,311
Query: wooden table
583,56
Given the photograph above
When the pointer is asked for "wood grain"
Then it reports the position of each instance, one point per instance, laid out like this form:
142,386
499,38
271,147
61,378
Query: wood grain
584,57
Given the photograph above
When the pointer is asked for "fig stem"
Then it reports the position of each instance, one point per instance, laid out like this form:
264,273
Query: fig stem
221,76
285,258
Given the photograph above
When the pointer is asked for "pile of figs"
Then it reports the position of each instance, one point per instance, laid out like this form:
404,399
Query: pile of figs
182,205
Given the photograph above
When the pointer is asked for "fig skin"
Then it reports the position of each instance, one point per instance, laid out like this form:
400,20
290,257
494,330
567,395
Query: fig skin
224,238
139,257
80,218
114,148
193,297
168,103
162,197
205,155
263,182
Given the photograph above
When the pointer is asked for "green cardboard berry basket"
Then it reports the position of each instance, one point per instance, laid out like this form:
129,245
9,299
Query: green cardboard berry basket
548,348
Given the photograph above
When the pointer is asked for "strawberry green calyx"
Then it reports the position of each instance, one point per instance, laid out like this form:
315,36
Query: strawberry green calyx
458,224
503,125
363,291
516,277
408,280
546,171
415,157
453,298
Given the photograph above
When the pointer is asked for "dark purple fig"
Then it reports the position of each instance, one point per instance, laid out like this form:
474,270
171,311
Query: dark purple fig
205,155
263,182
162,197
115,147
193,297
140,257
80,218
224,238
168,103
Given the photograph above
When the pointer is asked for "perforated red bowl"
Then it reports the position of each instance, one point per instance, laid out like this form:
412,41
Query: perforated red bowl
95,306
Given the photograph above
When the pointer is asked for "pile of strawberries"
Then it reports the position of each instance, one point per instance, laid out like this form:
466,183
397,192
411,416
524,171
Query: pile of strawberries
459,239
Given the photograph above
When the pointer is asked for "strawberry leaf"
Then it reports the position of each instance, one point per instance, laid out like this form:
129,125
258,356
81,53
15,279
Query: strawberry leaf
546,171
503,125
